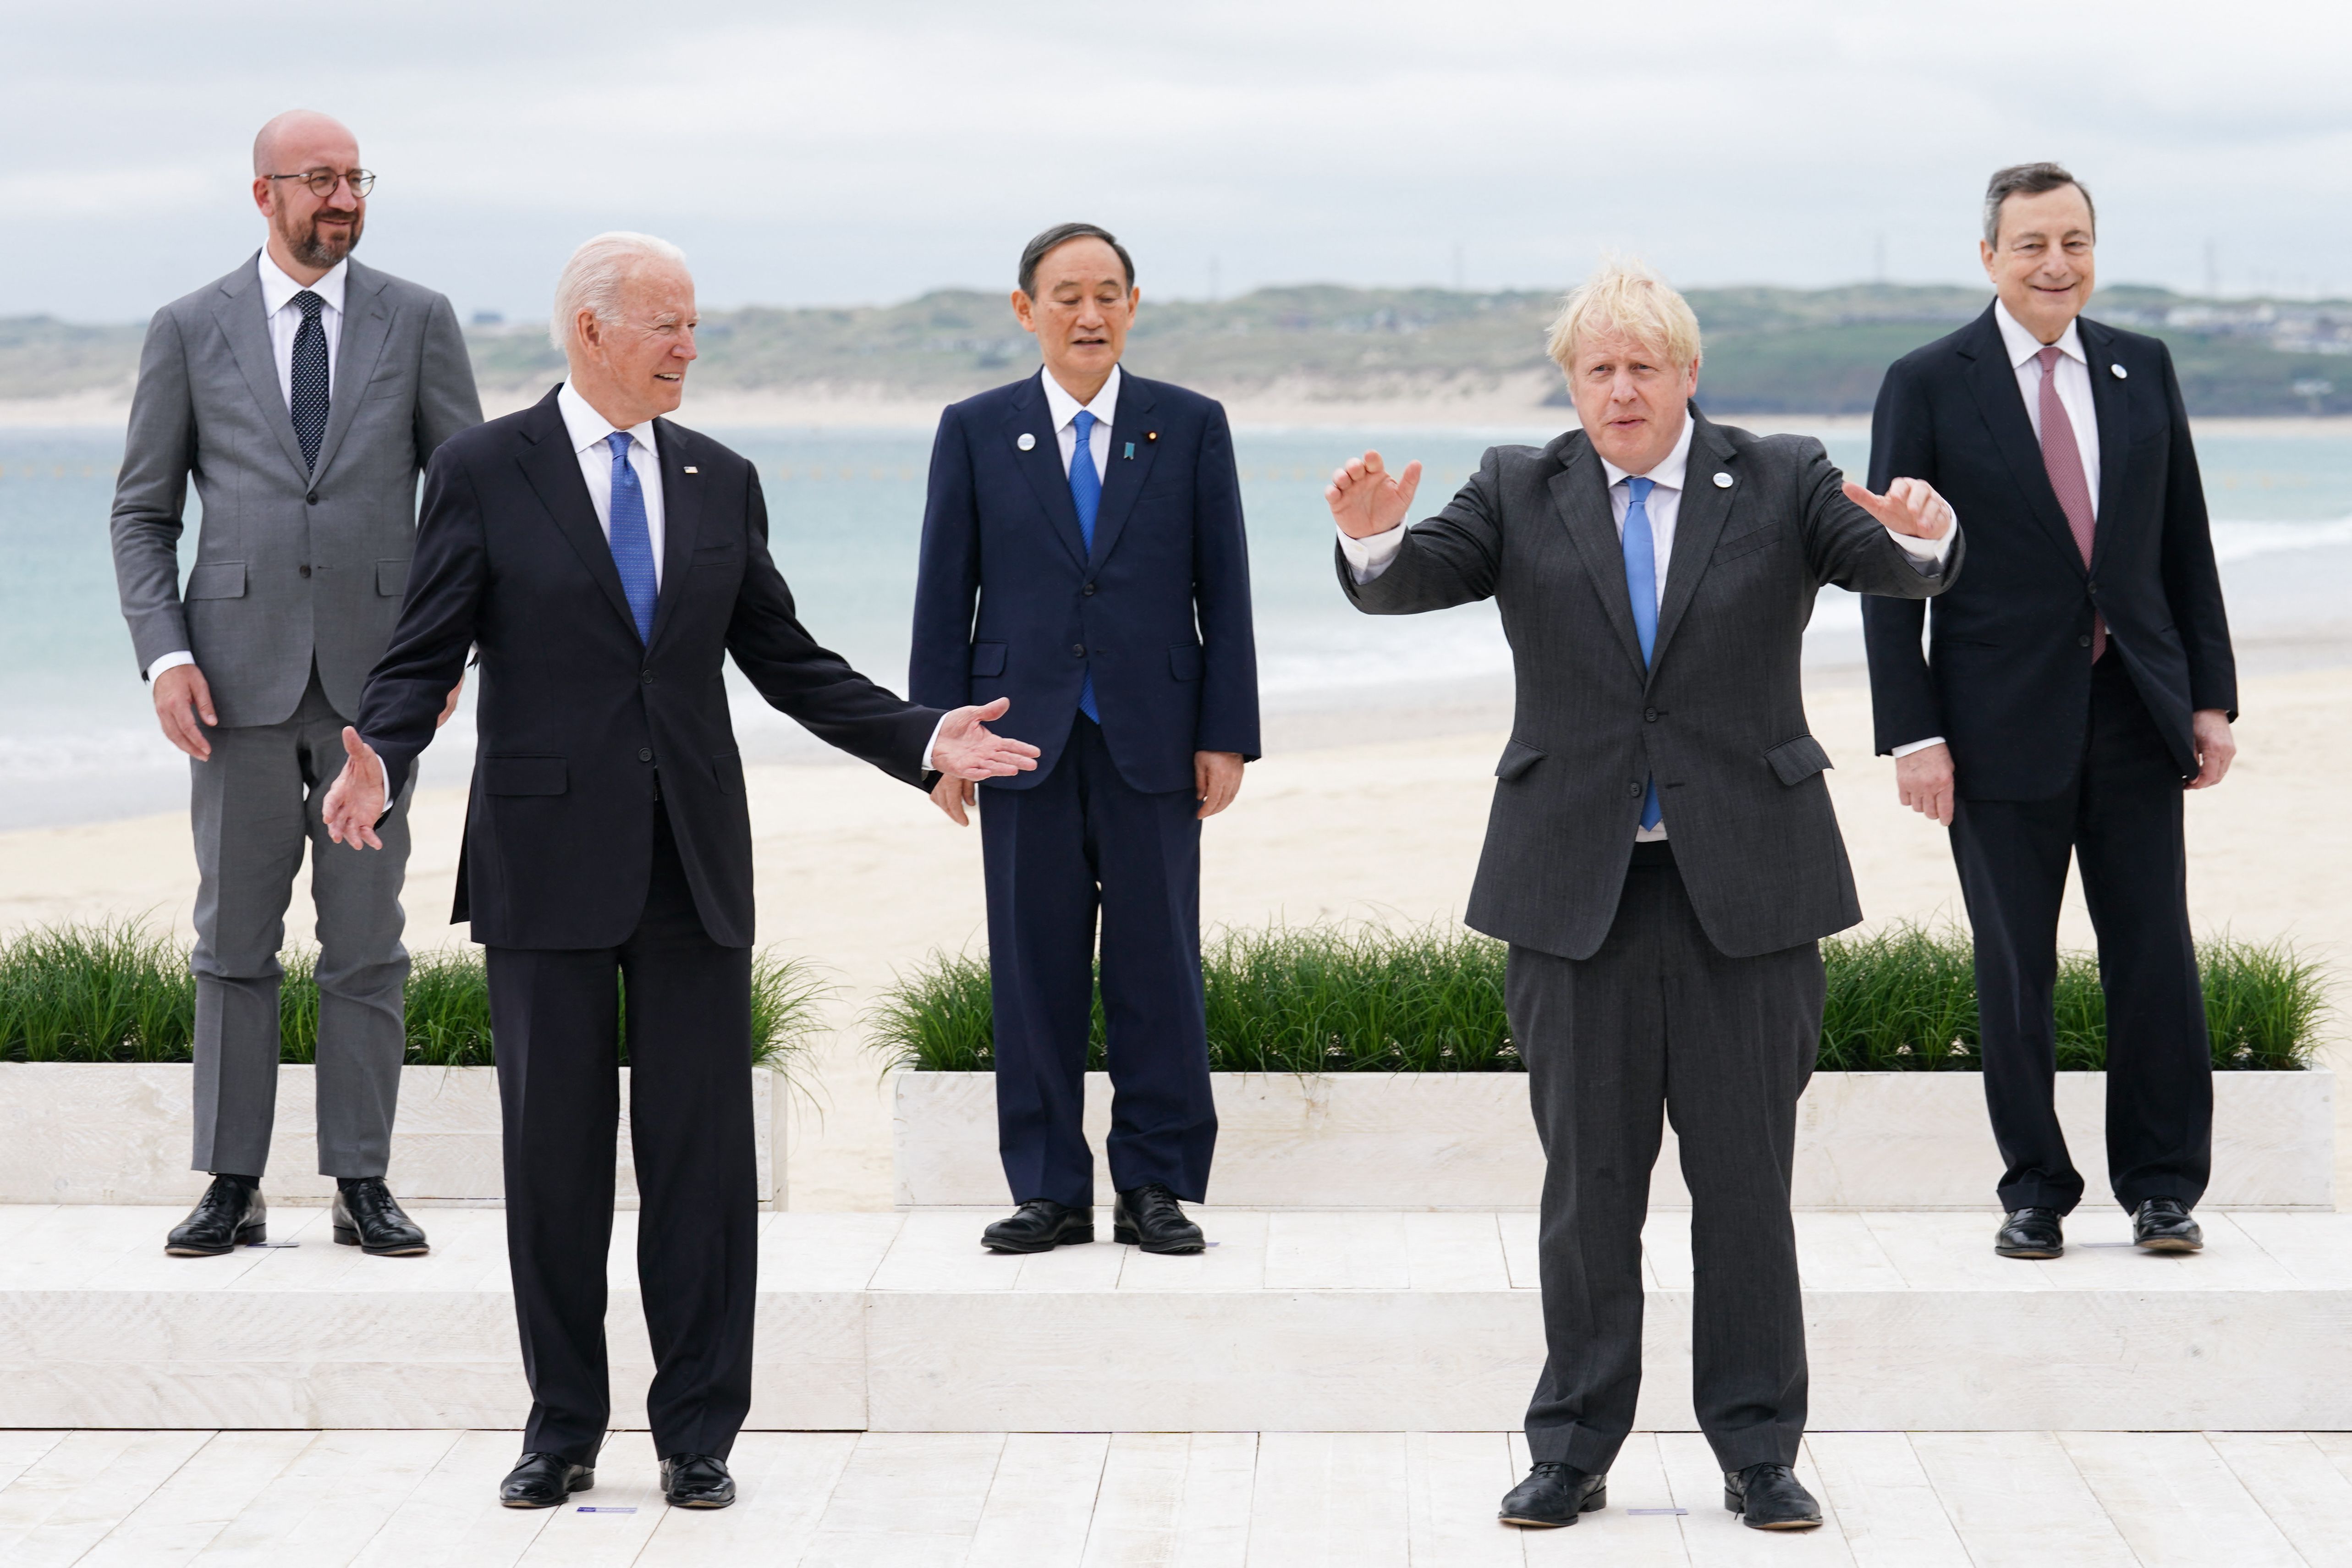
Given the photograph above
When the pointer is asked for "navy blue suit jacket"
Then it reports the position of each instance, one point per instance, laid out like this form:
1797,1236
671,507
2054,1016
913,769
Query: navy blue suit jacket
1010,602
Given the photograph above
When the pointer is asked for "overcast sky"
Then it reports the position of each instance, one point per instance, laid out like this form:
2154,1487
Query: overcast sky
863,153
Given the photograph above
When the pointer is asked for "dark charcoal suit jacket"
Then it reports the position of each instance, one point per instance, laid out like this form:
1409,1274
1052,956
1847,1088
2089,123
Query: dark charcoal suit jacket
575,714
2005,679
1159,609
1718,717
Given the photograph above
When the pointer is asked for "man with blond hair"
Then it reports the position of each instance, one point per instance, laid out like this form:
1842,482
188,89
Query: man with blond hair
1662,855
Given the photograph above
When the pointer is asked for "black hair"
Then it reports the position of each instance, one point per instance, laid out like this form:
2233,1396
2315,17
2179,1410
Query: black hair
1061,234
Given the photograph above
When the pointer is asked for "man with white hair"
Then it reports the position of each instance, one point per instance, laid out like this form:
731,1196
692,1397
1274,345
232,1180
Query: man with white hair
606,563
303,393
1662,855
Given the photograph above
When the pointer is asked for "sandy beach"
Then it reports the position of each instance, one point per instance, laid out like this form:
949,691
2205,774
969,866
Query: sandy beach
1370,813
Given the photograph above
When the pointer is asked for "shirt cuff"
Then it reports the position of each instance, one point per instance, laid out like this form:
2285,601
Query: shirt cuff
933,743
1905,750
169,661
1368,558
1929,555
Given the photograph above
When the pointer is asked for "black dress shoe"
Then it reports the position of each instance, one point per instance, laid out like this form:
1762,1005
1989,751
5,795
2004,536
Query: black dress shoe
1770,1496
1553,1495
697,1481
2030,1233
367,1217
1149,1216
1040,1225
230,1215
543,1480
2162,1224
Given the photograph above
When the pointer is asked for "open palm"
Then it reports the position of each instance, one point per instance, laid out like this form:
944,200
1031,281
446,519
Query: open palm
1365,499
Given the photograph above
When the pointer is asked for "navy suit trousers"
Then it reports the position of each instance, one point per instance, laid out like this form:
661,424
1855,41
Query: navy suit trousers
1079,843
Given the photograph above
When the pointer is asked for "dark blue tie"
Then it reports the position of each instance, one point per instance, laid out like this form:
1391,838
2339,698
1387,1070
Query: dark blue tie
1086,490
1641,585
632,542
308,379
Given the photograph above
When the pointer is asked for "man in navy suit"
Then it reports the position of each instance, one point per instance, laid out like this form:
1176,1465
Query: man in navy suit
1083,555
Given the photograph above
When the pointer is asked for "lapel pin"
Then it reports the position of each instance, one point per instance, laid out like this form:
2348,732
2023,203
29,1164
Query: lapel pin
1151,434
2120,373
1130,450
1723,481
692,470
1026,442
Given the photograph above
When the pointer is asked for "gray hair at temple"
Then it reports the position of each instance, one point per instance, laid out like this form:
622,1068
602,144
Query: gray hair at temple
593,279
2029,179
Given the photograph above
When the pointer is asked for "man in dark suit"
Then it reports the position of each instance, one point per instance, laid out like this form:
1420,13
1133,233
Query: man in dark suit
1094,519
605,562
1661,857
2068,690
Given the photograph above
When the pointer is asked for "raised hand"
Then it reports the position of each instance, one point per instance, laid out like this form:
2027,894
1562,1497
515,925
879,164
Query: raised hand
1909,507
1365,499
355,800
968,749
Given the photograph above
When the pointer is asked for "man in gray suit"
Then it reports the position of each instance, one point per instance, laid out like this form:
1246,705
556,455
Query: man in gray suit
1661,855
303,392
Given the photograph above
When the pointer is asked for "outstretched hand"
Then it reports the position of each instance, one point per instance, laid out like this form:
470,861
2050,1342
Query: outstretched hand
1909,507
968,749
355,800
1365,499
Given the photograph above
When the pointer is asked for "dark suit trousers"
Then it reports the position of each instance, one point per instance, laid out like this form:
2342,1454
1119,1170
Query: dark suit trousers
1658,1020
1078,843
2121,820
554,1014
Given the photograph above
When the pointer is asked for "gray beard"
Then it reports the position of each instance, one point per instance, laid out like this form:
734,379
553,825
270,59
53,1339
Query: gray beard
312,251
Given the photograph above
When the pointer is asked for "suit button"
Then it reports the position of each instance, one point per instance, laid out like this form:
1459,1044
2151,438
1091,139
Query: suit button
1649,715
1634,788
2082,641
1088,590
312,498
647,678
1077,650
2095,587
645,753
306,571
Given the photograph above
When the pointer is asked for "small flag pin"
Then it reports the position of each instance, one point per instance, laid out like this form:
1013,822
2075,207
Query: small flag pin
692,470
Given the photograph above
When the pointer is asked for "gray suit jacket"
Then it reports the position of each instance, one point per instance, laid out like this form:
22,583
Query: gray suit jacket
1718,718
291,566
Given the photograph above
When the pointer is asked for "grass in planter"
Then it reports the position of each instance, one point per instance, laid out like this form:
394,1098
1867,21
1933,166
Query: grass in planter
1426,999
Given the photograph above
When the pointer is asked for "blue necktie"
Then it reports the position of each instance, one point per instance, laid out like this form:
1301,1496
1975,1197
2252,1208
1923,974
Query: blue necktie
1641,584
309,377
632,542
1086,490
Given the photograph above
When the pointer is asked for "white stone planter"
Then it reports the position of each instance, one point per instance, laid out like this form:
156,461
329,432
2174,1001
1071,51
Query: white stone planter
1464,1141
109,1133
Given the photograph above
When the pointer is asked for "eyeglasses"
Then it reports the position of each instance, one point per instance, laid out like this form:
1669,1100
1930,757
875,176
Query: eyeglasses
321,183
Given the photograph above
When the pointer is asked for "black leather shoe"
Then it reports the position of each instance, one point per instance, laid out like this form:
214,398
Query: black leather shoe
230,1215
543,1480
1040,1225
1770,1496
2030,1233
1553,1495
697,1481
367,1217
1149,1216
2162,1224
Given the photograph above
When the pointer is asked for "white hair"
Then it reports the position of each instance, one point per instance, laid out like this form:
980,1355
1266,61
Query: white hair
593,279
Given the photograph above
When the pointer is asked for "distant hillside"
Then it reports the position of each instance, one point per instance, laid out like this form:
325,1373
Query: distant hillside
1768,349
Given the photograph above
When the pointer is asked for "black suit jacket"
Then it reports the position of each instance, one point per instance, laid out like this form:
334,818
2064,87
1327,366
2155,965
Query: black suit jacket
1010,602
1717,717
576,715
2006,676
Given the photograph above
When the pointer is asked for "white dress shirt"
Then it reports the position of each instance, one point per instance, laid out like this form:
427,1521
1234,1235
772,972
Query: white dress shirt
1064,410
587,431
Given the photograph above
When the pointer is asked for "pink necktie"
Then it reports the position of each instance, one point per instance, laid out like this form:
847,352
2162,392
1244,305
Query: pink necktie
2062,459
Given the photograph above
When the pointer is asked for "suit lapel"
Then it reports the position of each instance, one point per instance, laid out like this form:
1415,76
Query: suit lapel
2111,402
1580,491
1041,465
1992,381
553,469
367,322
1124,476
681,519
244,323
1699,518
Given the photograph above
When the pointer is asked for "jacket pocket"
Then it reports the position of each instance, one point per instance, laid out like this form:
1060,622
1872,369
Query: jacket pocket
1795,762
391,578
988,659
1518,758
215,580
524,775
729,766
1184,662
1746,543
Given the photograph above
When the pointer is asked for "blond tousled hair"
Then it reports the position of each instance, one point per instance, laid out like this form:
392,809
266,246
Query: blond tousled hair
1623,293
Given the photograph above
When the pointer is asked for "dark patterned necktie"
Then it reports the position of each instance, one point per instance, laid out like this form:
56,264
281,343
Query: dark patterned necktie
309,378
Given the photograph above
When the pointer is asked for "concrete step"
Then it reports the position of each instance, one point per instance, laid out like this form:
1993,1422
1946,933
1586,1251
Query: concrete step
1293,1320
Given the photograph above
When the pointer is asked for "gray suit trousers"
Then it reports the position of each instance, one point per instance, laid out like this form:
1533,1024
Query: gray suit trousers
1659,1019
256,802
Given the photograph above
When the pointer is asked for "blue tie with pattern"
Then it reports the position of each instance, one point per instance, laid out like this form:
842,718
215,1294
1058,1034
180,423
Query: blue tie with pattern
1086,490
309,377
632,542
1641,585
